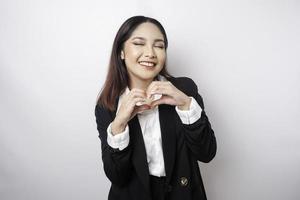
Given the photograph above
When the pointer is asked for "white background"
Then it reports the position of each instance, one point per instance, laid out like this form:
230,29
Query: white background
243,55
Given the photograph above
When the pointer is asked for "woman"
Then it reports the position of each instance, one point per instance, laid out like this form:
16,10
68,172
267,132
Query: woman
152,126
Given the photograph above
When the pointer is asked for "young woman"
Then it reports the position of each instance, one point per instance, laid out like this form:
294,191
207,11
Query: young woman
152,126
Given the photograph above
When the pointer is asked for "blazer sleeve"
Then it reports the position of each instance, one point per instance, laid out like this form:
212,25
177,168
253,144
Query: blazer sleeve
116,163
199,136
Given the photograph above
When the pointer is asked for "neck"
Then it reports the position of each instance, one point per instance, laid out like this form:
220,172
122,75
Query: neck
140,84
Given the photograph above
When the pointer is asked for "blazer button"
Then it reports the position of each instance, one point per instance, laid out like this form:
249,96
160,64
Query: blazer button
183,181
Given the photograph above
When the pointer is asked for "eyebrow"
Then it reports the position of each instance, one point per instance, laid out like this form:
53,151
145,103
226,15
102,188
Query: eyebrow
141,38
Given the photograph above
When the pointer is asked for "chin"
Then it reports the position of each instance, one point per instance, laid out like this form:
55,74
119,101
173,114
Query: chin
150,76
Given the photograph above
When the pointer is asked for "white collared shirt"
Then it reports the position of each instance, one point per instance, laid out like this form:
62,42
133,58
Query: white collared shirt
150,126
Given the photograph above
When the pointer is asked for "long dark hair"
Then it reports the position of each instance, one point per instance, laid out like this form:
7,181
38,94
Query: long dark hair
117,77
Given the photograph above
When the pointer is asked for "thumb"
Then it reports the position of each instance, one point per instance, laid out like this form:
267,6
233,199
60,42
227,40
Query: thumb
139,109
157,102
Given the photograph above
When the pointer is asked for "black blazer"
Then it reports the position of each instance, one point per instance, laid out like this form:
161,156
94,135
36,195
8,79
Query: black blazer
183,145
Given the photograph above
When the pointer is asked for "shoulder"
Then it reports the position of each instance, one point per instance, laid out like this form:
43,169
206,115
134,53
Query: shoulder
189,87
103,115
185,84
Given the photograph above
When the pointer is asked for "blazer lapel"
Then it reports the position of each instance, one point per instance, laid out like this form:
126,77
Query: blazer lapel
168,134
139,156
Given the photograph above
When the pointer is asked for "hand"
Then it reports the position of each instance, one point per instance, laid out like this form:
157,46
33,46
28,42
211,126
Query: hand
170,95
128,109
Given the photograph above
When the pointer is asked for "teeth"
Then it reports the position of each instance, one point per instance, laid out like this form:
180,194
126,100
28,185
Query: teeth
149,64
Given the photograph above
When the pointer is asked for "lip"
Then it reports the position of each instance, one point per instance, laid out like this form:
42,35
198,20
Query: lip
141,63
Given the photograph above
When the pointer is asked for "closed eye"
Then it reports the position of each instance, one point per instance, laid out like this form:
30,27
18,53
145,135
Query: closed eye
138,44
159,46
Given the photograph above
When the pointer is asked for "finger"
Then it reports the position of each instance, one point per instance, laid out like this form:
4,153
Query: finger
141,95
152,85
131,103
163,100
157,102
143,107
156,85
137,100
140,109
159,83
162,90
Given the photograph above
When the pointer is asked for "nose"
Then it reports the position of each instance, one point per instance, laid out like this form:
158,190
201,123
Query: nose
149,52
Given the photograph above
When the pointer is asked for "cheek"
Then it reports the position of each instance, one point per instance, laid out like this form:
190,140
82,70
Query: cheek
162,57
133,53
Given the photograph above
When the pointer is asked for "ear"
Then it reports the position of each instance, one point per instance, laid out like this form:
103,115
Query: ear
122,55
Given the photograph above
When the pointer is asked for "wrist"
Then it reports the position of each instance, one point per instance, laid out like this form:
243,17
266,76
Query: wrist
186,104
117,127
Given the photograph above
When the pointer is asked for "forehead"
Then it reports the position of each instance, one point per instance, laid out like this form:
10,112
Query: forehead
148,31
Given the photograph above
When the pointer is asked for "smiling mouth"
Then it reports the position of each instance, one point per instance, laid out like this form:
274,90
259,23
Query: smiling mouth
147,64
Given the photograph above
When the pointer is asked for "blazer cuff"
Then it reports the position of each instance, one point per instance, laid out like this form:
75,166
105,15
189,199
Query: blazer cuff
192,115
119,141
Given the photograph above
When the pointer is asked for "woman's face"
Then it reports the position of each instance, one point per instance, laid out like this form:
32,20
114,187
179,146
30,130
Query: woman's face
144,52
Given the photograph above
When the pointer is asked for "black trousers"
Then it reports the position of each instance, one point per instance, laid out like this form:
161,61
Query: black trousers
158,188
